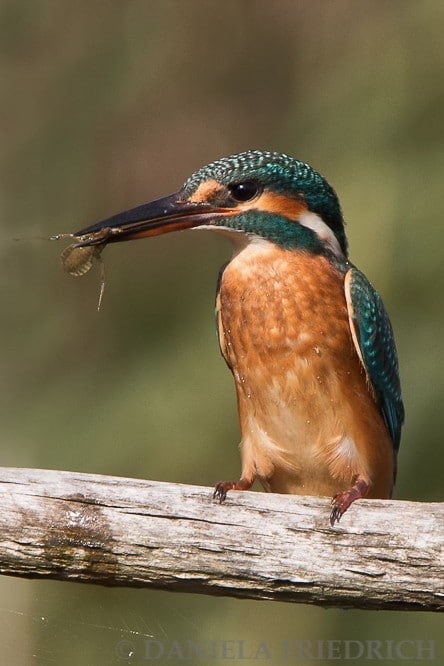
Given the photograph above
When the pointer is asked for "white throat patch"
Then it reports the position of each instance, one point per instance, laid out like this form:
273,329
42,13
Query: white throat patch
315,223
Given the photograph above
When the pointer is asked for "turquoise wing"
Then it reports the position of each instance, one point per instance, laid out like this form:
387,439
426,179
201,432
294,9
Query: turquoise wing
375,344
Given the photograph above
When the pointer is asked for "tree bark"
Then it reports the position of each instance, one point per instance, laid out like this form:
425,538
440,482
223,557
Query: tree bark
128,532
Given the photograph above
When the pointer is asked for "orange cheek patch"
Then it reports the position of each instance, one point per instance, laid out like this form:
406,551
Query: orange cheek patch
267,202
207,191
279,204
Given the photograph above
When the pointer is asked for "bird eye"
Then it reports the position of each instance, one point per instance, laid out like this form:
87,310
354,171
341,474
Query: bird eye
244,191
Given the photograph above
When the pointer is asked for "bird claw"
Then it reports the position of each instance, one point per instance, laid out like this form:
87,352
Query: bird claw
342,501
340,506
221,489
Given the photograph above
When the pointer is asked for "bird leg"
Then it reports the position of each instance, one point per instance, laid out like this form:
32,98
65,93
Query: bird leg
222,487
342,501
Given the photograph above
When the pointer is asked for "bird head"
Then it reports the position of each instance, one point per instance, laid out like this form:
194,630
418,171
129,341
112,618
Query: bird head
253,194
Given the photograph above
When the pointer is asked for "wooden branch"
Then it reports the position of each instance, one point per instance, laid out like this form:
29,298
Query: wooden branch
128,532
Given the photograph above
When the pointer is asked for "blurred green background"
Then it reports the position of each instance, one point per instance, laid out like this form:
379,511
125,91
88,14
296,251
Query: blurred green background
105,105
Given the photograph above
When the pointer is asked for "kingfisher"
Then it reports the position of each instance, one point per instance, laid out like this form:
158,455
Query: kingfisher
305,334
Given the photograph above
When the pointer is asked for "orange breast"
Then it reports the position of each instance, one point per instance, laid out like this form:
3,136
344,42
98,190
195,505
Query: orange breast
309,421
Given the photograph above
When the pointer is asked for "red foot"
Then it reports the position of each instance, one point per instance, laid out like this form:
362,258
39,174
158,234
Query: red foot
221,489
342,501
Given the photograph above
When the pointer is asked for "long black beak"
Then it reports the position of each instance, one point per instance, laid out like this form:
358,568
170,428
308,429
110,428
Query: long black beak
171,213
